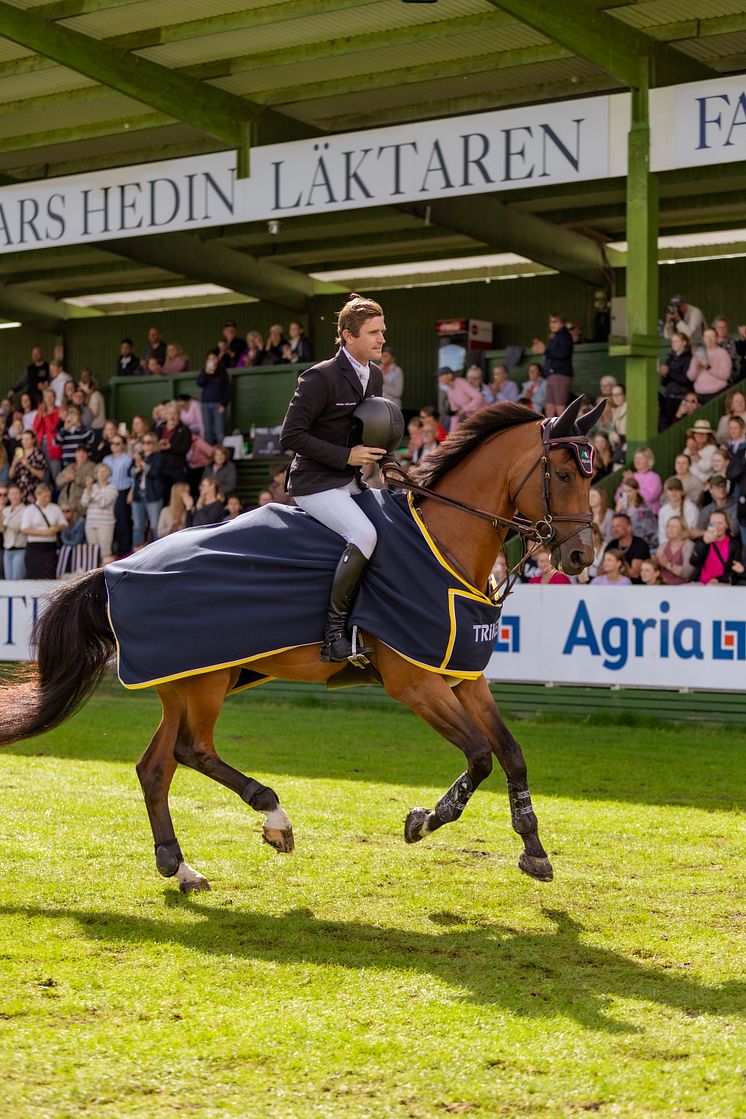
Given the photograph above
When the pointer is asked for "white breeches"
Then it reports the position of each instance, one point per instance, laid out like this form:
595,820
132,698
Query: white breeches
336,509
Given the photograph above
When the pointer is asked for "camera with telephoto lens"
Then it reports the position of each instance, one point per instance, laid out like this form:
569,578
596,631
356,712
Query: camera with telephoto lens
674,308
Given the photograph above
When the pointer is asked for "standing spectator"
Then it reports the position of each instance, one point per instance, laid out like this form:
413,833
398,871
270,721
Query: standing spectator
71,479
234,345
71,434
735,405
147,491
463,399
156,347
222,471
715,499
102,446
254,354
99,500
676,504
614,570
632,549
393,377
173,515
191,413
94,400
14,541
46,425
674,372
721,326
683,471
710,368
298,349
535,388
548,573
602,514
716,557
701,446
36,371
176,360
215,382
174,443
675,554
28,410
4,456
210,506
501,388
79,401
128,363
41,524
29,466
682,316
618,426
119,463
58,378
140,428
276,344
557,363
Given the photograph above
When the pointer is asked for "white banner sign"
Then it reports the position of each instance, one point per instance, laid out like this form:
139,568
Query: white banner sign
20,606
659,637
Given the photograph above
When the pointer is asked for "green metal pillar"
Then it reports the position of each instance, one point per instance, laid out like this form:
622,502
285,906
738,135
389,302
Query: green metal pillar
643,342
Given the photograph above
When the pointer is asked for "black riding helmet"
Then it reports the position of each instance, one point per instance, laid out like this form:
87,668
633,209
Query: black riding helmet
378,423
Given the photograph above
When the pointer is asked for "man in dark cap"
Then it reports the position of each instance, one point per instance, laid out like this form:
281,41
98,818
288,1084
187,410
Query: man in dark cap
684,317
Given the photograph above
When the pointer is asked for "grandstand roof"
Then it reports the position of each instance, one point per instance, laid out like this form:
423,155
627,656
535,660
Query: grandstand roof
90,84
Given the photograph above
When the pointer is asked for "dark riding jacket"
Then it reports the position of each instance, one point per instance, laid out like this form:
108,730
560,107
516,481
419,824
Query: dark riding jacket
319,425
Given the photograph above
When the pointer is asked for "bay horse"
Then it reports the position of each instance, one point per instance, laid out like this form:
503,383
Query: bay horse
502,462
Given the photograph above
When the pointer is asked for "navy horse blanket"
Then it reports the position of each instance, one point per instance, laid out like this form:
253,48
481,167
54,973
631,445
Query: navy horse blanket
227,594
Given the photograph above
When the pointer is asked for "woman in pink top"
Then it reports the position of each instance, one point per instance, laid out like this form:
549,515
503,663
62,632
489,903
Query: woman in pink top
176,360
548,573
463,399
710,368
650,483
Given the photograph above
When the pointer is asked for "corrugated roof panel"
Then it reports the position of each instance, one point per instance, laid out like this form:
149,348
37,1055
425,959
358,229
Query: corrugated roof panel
656,13
68,116
715,46
9,51
153,13
41,82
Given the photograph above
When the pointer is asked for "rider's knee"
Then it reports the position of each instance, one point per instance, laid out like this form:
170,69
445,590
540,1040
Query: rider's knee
366,540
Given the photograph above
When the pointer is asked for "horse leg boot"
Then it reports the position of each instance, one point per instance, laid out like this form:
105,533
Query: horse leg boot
337,646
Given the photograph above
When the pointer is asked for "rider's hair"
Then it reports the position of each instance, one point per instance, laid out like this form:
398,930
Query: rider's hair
357,310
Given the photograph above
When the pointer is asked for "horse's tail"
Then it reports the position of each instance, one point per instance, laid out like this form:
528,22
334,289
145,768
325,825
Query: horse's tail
73,641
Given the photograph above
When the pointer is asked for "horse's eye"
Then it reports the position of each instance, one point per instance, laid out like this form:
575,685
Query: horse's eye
564,475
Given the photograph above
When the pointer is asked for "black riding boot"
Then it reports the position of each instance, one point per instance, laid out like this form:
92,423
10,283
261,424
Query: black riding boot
337,645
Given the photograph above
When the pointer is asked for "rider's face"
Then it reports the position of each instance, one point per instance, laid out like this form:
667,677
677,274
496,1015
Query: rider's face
368,343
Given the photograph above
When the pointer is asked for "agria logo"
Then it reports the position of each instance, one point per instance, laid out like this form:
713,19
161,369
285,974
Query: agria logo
620,639
508,638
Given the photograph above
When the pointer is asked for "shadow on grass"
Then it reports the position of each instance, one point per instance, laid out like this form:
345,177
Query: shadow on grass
537,975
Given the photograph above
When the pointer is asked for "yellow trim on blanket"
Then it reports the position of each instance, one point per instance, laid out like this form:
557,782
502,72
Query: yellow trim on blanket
452,593
479,595
209,668
253,684
461,675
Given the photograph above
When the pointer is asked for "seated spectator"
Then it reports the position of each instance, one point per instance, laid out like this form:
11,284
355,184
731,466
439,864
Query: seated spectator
614,570
735,444
58,378
120,463
147,491
99,501
632,549
233,507
41,524
602,515
158,415
210,506
298,349
735,408
715,499
534,389
176,360
430,442
710,368
604,456
674,373
71,434
234,346
430,412
140,428
276,344
153,368
74,534
606,384
501,388
173,515
689,404
618,426
558,368
175,441
463,399
393,377
265,498
650,573
71,480
14,541
29,466
599,547
415,439
277,486
255,353
676,504
693,487
716,557
45,428
475,377
675,553
721,464
547,573
215,382
28,410
721,326
700,447
156,347
684,317
222,471
576,332
94,400
644,521
128,363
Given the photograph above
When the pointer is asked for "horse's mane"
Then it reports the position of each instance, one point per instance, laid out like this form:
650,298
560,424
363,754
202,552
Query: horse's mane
472,431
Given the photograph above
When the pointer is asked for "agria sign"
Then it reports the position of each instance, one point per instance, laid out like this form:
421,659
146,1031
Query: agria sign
618,639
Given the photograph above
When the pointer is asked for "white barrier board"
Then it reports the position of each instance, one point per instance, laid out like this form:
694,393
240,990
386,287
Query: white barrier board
20,605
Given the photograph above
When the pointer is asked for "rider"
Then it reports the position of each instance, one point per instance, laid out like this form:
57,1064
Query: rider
319,427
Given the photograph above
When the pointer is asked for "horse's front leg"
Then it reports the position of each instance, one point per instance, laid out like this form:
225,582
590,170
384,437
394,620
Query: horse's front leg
430,697
479,705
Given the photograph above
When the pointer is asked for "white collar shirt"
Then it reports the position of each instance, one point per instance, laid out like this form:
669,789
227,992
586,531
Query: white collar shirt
363,371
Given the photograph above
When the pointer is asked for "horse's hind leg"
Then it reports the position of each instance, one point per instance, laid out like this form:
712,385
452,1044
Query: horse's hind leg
155,770
203,698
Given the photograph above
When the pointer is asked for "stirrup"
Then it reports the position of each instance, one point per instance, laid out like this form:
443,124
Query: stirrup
358,657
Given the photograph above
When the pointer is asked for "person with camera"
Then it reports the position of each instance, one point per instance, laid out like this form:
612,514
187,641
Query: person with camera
683,316
717,556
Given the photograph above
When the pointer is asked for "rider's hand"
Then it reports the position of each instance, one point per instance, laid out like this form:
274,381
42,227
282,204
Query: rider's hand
361,456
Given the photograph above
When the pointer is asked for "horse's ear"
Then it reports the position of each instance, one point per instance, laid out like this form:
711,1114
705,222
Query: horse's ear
588,421
564,425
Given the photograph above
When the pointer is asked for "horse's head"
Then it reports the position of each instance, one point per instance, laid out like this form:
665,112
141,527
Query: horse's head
553,492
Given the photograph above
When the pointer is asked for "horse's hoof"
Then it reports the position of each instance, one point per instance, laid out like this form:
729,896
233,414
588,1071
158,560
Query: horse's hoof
540,869
191,885
413,825
281,839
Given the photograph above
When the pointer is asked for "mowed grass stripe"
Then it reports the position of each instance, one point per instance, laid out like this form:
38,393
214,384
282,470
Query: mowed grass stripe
360,977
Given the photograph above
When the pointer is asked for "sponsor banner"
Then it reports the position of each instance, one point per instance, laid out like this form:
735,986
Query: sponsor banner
20,605
658,637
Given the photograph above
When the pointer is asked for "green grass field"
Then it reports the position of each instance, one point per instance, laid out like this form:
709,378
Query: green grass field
360,977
